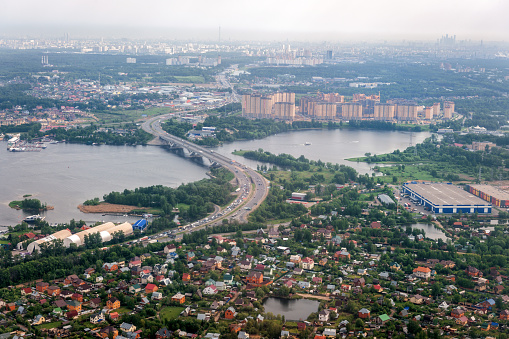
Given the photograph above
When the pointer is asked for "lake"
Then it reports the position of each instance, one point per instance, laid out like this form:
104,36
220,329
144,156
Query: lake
65,175
431,231
292,309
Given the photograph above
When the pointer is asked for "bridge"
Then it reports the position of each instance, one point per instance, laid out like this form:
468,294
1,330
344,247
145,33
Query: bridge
253,186
180,149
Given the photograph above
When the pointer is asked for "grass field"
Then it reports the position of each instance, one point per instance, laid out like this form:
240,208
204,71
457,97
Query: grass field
170,313
50,325
131,115
122,310
195,79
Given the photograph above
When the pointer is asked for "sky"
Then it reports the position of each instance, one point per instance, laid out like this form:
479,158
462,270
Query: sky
304,20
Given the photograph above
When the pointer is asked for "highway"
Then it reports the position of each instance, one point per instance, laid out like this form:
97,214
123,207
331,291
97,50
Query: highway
253,186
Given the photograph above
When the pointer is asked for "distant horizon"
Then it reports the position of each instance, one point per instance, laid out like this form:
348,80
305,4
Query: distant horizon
205,35
265,20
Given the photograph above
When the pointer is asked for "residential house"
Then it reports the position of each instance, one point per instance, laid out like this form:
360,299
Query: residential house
382,319
126,327
38,320
230,313
504,315
342,255
151,288
26,291
157,296
41,286
324,315
110,267
361,282
210,290
108,331
457,312
245,265
179,298
170,248
473,272
422,272
329,332
307,263
254,277
395,266
97,318
364,313
113,303
136,288
73,305
296,259
163,333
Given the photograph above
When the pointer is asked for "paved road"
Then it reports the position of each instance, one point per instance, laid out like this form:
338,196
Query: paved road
253,186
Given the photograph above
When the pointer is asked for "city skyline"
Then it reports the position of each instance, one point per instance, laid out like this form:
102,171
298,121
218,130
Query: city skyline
263,20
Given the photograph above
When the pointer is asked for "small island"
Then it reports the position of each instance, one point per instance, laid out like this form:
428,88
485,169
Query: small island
30,205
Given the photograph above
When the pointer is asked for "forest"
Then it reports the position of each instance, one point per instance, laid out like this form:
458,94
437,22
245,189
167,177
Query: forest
195,200
446,157
133,135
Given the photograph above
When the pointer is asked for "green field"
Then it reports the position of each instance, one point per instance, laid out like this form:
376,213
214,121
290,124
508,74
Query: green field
111,117
170,313
15,204
195,79
50,325
122,310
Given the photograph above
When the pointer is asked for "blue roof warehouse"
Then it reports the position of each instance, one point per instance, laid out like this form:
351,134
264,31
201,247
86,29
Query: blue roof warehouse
445,198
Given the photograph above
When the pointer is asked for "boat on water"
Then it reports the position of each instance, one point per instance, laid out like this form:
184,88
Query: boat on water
307,143
53,142
33,218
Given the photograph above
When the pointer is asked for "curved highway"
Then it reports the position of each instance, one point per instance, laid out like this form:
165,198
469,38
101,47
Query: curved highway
253,186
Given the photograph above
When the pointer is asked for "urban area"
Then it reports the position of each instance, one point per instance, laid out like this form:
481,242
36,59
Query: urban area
285,245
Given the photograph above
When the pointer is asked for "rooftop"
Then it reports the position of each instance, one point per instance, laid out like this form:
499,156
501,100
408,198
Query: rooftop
445,194
492,191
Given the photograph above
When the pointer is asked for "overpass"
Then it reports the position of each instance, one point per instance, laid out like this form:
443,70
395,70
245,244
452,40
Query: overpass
253,186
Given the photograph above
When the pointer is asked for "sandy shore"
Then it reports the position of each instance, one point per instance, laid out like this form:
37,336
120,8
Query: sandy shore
108,208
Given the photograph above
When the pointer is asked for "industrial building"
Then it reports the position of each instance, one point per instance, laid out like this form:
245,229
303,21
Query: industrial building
385,199
492,194
140,225
36,245
299,196
445,198
105,231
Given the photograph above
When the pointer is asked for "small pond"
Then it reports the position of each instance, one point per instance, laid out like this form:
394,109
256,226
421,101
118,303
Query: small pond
296,309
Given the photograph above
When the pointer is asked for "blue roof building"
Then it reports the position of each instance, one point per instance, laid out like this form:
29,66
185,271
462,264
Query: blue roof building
140,225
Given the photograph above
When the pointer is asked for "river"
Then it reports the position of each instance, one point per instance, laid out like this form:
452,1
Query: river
328,145
65,175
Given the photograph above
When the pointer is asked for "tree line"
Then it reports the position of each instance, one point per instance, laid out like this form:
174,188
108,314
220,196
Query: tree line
199,197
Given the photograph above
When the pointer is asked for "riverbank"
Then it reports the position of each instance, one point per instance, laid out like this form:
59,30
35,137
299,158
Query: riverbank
109,208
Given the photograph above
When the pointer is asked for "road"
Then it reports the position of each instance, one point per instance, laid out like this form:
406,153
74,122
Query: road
253,186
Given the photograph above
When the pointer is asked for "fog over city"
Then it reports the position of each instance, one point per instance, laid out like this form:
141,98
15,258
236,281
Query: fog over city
259,20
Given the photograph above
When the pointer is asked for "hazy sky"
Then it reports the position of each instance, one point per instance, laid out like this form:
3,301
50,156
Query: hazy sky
263,19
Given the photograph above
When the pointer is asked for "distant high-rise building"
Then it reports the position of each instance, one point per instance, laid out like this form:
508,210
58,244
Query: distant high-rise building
351,111
384,112
271,106
436,109
448,109
428,113
329,55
